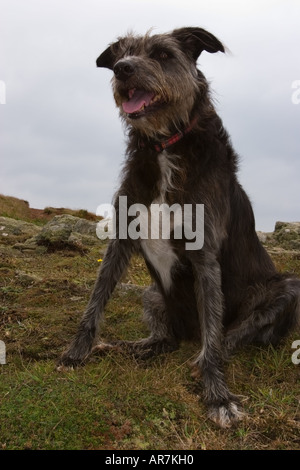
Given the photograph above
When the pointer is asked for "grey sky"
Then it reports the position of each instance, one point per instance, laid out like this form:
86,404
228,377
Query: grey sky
61,141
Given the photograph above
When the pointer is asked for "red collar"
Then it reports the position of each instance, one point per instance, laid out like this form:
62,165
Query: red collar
160,146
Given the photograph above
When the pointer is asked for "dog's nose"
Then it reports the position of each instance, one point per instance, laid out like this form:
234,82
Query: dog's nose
123,69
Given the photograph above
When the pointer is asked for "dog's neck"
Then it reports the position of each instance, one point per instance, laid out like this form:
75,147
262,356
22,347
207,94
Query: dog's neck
159,146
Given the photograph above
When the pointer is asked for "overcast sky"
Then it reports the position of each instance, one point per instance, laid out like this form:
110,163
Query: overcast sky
61,140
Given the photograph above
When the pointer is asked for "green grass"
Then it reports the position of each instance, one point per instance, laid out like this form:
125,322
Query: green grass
115,402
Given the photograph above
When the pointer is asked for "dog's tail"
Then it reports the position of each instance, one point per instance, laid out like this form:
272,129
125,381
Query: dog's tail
289,319
272,313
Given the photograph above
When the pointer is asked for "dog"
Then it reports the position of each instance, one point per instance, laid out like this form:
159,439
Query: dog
225,293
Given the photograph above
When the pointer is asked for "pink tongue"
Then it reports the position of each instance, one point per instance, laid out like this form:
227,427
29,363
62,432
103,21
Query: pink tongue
137,101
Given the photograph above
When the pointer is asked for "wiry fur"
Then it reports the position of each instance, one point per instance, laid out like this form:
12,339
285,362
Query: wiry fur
229,292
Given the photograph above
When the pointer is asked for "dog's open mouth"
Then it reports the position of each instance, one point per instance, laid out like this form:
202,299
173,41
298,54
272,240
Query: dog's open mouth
140,102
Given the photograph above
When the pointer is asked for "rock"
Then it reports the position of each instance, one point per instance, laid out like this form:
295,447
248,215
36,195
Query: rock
62,232
67,231
12,230
56,232
287,234
264,236
85,227
30,246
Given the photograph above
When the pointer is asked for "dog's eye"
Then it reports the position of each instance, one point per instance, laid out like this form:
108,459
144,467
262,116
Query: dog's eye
163,55
160,54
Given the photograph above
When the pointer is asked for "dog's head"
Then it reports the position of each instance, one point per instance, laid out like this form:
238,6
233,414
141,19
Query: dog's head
156,80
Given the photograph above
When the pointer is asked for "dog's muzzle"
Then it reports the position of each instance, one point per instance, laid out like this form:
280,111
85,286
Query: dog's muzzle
137,102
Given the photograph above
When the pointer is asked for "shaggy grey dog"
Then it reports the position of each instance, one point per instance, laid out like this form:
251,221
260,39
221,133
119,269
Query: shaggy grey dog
225,293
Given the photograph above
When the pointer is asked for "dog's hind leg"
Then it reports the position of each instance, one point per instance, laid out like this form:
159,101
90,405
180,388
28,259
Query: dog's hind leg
270,313
161,339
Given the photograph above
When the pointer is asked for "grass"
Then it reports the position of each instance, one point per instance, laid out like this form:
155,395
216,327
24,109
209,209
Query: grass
115,402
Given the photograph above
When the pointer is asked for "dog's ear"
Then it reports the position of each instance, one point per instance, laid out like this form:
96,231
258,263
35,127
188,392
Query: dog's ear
197,40
107,58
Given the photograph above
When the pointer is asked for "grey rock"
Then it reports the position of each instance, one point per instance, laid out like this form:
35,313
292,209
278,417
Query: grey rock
67,231
287,235
62,232
11,229
30,246
264,236
85,227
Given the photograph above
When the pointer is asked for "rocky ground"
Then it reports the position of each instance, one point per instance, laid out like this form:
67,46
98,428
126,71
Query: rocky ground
62,232
71,232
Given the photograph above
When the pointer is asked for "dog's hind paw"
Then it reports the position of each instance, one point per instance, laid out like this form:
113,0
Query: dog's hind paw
226,415
104,348
62,368
142,349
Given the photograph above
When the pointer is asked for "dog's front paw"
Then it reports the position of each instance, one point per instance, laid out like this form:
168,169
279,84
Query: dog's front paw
68,361
226,415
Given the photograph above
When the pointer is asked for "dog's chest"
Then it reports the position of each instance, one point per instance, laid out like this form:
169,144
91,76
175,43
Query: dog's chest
157,248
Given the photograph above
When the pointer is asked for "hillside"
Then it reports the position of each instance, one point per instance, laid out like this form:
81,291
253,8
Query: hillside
19,209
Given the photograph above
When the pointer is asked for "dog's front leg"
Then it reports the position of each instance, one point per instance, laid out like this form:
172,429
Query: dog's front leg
223,406
115,262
